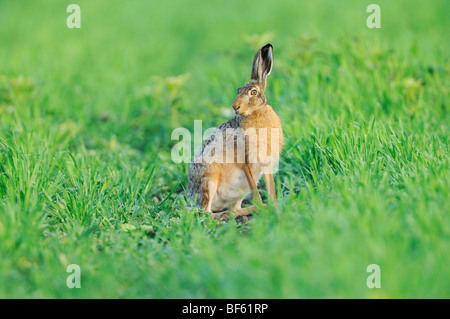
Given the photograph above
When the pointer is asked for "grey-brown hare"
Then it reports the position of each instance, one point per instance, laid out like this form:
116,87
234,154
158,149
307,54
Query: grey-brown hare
241,150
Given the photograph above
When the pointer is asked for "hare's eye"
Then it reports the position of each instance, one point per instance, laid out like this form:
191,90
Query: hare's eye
253,92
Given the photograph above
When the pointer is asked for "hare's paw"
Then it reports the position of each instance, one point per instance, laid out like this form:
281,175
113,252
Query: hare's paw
224,216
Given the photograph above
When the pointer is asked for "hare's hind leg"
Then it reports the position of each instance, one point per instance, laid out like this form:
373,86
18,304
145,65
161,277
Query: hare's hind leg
210,185
255,194
247,211
236,207
233,208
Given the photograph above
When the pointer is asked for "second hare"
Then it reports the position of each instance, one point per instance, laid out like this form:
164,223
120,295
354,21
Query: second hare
241,150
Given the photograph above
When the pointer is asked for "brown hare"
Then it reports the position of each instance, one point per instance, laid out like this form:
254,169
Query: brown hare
240,151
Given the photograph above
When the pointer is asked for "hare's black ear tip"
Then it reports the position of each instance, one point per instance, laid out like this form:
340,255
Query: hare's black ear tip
267,47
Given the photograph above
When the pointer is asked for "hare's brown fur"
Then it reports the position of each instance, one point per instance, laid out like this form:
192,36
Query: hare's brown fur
216,184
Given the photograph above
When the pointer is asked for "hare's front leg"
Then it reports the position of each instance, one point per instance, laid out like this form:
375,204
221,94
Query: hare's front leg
251,182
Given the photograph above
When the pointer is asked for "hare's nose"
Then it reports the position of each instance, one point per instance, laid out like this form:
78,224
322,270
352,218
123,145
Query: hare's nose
236,107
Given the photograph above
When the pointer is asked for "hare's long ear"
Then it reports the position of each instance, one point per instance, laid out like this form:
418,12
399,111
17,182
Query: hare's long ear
262,64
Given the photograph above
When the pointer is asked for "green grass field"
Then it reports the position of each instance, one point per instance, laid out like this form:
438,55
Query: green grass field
86,175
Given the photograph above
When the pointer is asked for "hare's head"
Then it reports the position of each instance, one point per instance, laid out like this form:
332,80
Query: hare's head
251,96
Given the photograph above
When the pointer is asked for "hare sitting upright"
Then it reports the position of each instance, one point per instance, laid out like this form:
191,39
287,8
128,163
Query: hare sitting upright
240,151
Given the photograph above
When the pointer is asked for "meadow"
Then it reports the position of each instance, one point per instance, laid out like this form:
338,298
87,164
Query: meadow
86,175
